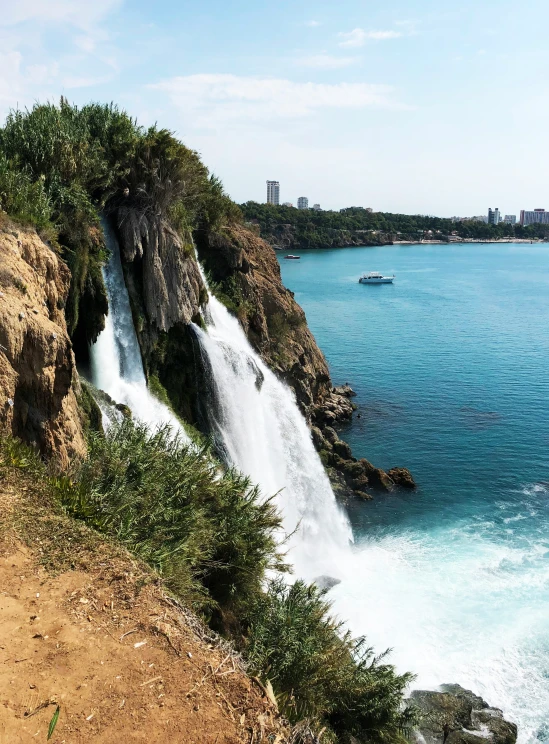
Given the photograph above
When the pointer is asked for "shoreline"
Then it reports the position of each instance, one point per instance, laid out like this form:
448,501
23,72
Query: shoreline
461,241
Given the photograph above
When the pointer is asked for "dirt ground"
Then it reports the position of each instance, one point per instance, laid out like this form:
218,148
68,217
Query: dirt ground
120,659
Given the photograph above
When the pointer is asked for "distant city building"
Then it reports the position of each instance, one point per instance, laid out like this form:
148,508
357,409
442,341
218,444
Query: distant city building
273,193
317,207
510,219
494,217
537,217
303,203
287,204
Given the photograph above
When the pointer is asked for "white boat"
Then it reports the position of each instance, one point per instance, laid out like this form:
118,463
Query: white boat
374,277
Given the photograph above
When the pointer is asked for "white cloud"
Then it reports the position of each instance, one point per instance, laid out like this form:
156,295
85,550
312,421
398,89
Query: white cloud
313,24
327,61
78,13
211,100
358,37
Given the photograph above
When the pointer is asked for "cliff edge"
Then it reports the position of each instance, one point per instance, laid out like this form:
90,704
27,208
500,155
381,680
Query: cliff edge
38,380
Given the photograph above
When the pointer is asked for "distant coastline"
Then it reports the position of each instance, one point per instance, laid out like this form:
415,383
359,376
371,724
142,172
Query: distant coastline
468,240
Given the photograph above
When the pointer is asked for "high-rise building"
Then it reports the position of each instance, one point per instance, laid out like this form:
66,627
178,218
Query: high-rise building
494,217
317,207
273,193
303,203
510,219
287,204
537,217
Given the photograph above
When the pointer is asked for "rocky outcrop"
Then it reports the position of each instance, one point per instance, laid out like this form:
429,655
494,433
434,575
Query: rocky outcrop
38,379
352,477
458,716
172,289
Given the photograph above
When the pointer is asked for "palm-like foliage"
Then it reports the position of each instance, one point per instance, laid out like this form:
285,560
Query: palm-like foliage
205,530
318,671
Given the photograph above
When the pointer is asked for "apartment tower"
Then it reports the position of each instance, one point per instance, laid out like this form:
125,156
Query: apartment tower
273,193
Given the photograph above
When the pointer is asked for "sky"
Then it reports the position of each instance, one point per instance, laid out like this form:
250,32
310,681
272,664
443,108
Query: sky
413,106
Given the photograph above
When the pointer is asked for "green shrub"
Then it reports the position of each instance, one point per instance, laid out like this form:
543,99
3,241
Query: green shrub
205,530
21,197
318,671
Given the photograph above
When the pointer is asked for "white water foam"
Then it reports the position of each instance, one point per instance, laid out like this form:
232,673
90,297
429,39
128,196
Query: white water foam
116,365
265,436
458,607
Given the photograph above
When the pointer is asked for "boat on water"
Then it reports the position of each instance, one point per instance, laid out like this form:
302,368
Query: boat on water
292,257
374,277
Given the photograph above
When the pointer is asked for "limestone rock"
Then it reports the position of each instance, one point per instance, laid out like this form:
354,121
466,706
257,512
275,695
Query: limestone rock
171,281
401,477
37,367
342,449
454,715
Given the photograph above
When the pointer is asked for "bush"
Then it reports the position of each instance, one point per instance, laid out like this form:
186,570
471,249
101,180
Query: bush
319,672
23,198
205,530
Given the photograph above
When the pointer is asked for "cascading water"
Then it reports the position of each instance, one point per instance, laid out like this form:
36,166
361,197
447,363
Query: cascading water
116,365
262,432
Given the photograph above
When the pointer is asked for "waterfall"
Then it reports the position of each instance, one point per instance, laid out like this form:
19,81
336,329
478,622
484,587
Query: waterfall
257,423
116,365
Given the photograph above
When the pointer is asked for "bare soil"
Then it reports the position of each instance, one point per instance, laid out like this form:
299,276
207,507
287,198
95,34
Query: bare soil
108,646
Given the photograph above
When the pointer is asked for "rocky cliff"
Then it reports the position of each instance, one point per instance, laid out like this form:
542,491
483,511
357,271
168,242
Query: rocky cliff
165,267
38,380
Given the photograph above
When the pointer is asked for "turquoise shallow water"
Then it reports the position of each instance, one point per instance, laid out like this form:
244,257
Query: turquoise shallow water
451,369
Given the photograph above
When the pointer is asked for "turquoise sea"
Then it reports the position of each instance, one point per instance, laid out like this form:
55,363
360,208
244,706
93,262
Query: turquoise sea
451,369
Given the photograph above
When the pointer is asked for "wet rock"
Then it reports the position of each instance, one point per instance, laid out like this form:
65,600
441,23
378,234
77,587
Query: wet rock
124,410
401,477
326,582
330,434
345,390
342,449
319,441
454,715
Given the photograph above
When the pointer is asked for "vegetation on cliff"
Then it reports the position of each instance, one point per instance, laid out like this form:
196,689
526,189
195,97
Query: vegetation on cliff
60,166
212,539
308,228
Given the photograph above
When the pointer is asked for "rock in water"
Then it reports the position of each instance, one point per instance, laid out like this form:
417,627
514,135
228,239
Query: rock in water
401,477
458,716
326,582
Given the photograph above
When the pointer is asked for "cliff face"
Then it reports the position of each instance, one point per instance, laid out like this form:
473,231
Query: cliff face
246,268
172,288
38,380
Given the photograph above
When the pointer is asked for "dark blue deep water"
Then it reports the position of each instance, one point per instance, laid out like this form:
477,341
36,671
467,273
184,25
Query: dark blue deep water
451,369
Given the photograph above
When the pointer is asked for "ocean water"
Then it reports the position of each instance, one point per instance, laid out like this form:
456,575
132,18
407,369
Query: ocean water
451,369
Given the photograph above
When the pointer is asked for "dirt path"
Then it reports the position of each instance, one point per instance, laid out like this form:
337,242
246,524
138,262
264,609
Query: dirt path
119,659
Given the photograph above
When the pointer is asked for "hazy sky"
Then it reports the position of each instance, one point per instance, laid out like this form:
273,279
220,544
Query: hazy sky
412,106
